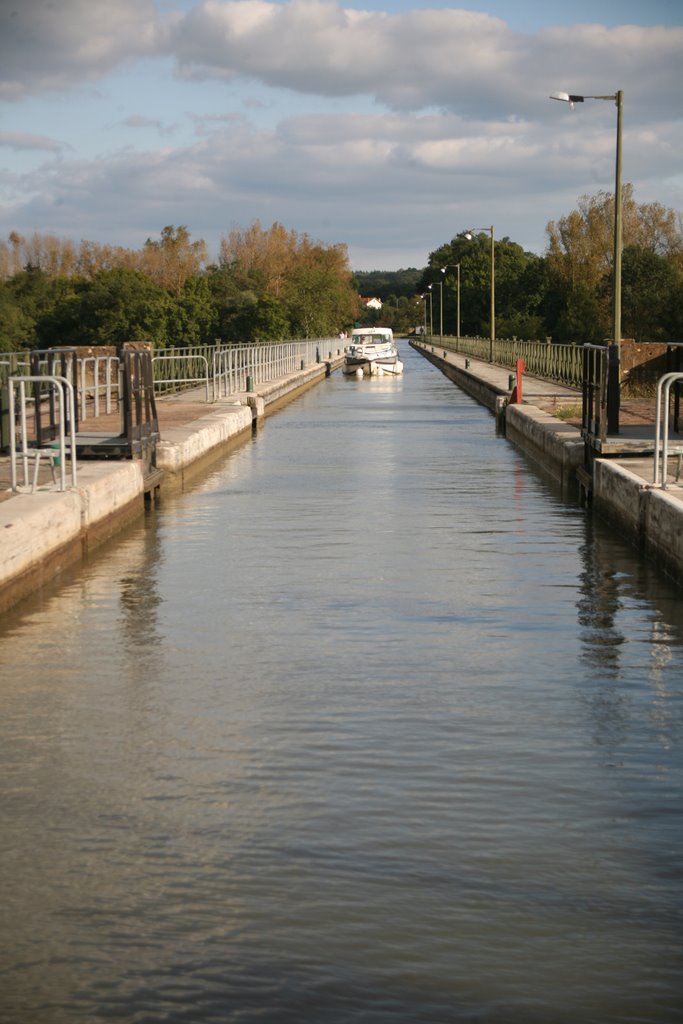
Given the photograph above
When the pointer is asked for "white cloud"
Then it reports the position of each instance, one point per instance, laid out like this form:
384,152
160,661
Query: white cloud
55,44
460,60
463,61
461,131
147,123
401,180
26,141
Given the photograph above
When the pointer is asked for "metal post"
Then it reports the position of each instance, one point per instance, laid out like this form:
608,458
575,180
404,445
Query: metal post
458,311
614,385
493,296
441,309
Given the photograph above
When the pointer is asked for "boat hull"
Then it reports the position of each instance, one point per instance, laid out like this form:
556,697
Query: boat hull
373,367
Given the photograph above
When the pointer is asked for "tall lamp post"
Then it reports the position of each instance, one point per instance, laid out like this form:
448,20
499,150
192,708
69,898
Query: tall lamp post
441,309
613,384
469,234
424,310
455,266
431,312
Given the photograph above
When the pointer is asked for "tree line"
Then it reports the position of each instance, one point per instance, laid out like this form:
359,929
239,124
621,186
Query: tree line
272,284
268,284
567,294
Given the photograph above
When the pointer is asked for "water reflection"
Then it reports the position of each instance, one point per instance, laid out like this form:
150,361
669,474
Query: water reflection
139,600
618,625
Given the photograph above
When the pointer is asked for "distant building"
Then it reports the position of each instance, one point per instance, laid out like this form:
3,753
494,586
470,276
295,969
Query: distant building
371,303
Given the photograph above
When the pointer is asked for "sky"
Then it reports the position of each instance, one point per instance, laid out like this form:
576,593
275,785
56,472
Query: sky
386,125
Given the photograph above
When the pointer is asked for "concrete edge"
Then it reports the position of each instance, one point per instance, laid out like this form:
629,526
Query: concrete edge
649,516
43,533
556,446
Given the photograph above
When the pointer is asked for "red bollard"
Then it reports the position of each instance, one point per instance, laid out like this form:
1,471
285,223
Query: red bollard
516,395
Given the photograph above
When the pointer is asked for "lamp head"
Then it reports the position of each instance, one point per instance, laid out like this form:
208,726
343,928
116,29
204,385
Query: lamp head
566,97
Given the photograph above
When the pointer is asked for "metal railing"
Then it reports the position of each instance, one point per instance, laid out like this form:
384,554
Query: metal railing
96,387
661,456
166,365
562,364
236,366
64,419
227,369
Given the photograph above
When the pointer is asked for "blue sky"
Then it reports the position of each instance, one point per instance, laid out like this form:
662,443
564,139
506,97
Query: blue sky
387,126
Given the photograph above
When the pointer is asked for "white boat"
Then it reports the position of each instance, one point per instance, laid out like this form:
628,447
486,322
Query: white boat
372,352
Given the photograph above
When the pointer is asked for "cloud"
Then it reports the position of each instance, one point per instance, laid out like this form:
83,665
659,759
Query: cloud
463,61
54,44
462,130
147,123
26,141
402,180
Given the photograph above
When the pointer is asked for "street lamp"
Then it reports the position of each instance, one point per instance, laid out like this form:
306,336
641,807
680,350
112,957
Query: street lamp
441,310
614,365
455,266
424,301
431,314
469,234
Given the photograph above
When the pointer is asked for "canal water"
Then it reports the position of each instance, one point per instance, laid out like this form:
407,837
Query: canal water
369,725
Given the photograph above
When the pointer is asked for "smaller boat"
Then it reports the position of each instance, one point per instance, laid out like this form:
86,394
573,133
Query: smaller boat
372,352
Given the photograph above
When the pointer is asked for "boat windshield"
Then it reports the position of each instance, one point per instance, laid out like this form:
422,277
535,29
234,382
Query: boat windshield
370,339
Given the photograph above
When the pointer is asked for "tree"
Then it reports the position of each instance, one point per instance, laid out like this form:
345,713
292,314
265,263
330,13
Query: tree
265,256
319,292
116,306
172,260
16,327
279,277
34,294
649,285
581,254
388,284
191,316
518,287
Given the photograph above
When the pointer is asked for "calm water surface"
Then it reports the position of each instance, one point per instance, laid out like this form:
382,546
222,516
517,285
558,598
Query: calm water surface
370,725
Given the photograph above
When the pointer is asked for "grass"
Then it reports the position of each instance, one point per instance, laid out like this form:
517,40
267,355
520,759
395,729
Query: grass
568,412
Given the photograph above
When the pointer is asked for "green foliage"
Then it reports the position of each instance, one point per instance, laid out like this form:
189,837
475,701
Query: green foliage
519,280
387,284
117,306
191,316
16,326
649,284
580,261
273,283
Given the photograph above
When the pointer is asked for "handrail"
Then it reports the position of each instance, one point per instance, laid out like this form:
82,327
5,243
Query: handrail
663,388
109,361
561,363
236,365
61,385
185,380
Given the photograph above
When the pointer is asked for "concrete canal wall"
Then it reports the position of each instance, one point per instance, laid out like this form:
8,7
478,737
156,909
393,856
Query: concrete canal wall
43,533
622,492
